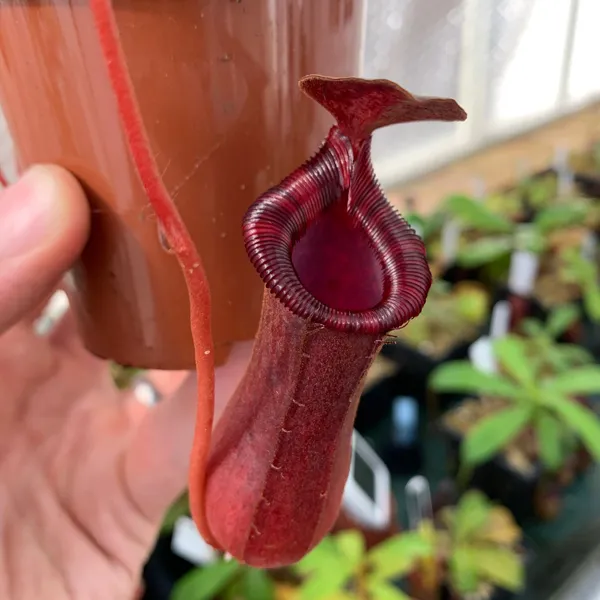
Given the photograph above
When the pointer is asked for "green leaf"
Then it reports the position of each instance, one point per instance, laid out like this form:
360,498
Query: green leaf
473,213
381,590
559,216
501,566
583,380
471,514
561,318
351,545
463,574
532,327
574,354
233,591
433,224
580,419
484,251
417,222
490,435
510,351
462,376
123,376
540,191
207,582
549,436
325,569
324,557
529,239
324,584
396,556
578,269
257,585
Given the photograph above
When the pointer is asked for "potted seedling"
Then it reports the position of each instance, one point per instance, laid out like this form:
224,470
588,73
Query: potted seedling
579,270
451,319
542,340
538,192
555,284
518,437
574,277
426,226
520,203
499,237
511,252
451,316
586,166
341,568
476,553
441,237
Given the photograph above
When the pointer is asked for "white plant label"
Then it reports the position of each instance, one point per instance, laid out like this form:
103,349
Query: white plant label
523,272
479,189
188,543
589,246
481,355
563,172
450,239
419,505
500,319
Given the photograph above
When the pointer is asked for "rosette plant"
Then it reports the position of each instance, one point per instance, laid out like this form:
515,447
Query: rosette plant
583,273
543,347
499,236
341,269
524,396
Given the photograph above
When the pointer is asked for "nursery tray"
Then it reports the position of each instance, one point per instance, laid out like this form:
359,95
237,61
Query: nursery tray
589,185
558,545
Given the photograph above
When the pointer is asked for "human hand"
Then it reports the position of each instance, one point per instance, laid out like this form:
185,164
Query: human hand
86,471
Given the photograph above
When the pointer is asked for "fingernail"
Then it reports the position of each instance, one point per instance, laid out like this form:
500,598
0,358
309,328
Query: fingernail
29,214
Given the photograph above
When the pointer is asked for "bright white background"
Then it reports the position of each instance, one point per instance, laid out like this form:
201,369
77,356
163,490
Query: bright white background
512,64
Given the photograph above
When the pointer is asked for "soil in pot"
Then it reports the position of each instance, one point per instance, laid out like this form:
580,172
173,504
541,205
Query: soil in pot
451,316
515,477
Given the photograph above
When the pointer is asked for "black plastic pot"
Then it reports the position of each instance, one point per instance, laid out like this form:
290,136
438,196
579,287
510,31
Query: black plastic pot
374,421
535,309
519,492
589,185
455,274
374,415
446,594
590,337
497,594
415,367
162,570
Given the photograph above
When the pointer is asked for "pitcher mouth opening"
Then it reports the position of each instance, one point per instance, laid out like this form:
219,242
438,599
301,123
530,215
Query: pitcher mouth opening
331,248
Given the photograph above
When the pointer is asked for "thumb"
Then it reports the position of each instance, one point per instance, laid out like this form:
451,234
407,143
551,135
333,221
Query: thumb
44,223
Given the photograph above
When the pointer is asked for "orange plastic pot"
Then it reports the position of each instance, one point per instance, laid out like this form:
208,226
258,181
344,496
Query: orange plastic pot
216,81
